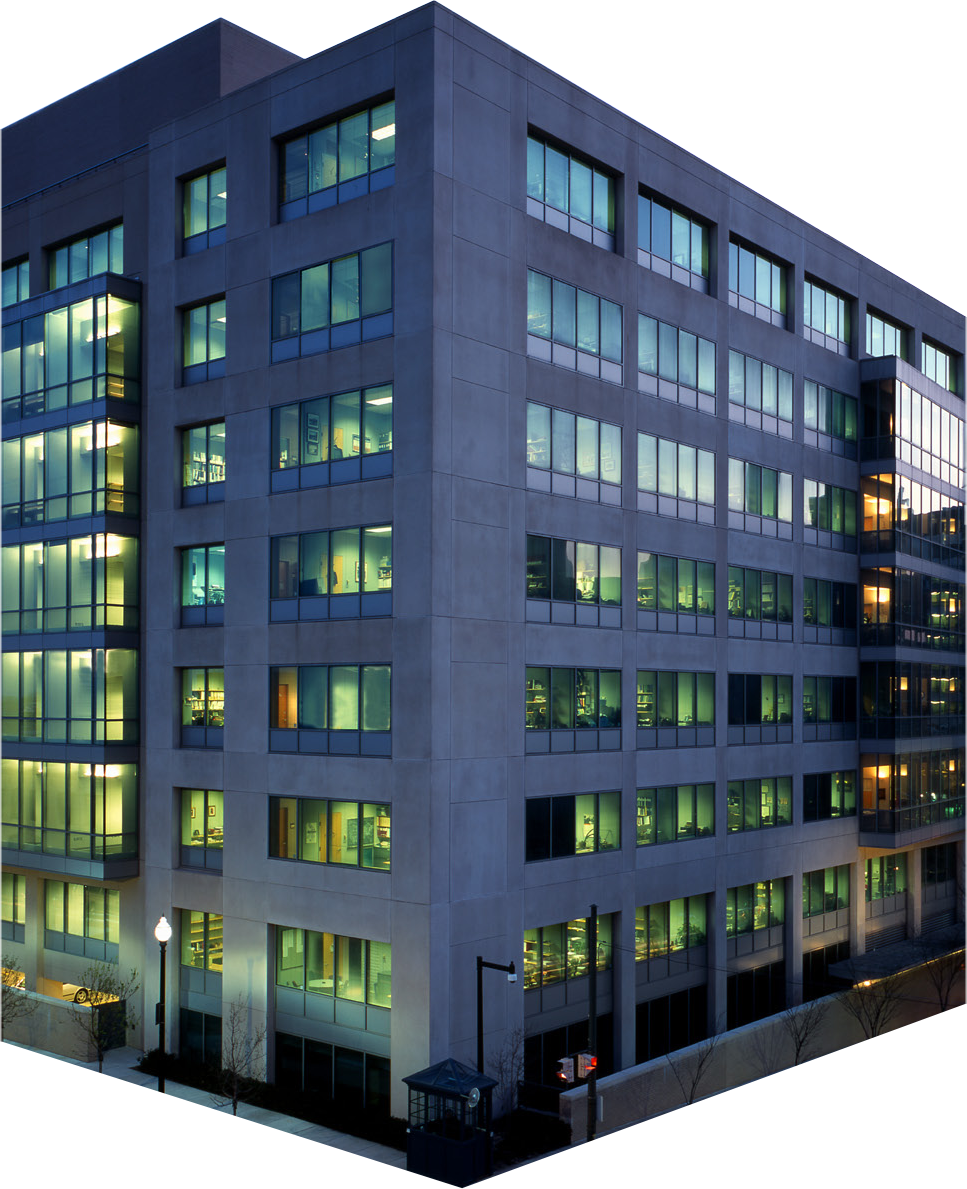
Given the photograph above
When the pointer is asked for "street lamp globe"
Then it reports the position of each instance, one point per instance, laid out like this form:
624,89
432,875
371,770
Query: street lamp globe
162,931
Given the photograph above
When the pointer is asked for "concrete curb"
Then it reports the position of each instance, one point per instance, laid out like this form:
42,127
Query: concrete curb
828,1130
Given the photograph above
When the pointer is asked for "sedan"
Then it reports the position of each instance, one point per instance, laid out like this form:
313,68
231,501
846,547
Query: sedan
215,1159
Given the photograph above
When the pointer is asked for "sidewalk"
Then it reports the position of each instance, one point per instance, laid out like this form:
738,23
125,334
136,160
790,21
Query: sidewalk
727,1127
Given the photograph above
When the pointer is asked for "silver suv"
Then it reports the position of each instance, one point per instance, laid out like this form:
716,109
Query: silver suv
74,1112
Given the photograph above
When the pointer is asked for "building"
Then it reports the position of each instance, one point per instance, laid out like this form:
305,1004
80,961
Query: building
408,547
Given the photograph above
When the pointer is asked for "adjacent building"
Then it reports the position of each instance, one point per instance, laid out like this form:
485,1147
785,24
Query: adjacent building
433,505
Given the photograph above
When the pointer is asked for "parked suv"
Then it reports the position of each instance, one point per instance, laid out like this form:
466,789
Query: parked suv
74,1112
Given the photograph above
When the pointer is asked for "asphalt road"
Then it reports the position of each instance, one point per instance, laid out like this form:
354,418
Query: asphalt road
887,1152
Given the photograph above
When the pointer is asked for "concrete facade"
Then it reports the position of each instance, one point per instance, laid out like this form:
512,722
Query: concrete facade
461,500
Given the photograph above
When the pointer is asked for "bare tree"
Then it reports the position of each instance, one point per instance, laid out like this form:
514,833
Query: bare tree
16,1003
874,1003
691,1068
101,1011
944,970
765,1045
802,1024
507,1066
243,1053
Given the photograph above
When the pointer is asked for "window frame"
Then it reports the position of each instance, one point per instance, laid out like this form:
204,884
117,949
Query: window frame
326,332
215,230
203,479
341,190
600,229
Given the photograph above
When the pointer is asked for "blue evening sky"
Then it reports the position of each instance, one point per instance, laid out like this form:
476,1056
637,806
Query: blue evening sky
851,113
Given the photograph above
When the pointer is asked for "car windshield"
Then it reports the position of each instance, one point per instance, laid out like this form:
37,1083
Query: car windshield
95,1102
237,1157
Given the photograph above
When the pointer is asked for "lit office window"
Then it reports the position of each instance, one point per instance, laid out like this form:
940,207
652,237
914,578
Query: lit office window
760,594
825,312
202,707
334,304
205,207
330,708
14,914
91,914
555,953
884,337
204,342
676,584
89,350
759,491
828,508
339,161
573,328
759,803
202,584
886,876
71,696
202,814
573,825
671,234
570,193
679,472
760,388
71,585
938,364
16,283
675,699
757,278
759,699
826,890
826,795
828,700
201,940
87,256
333,439
669,927
675,813
328,964
82,811
572,699
754,906
318,830
675,355
312,572
573,571
78,470
571,455
203,463
828,412
829,604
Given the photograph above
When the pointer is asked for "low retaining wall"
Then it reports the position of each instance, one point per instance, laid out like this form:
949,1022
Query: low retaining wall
49,1027
740,1056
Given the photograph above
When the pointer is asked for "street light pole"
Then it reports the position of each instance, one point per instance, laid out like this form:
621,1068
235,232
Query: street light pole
511,973
162,932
